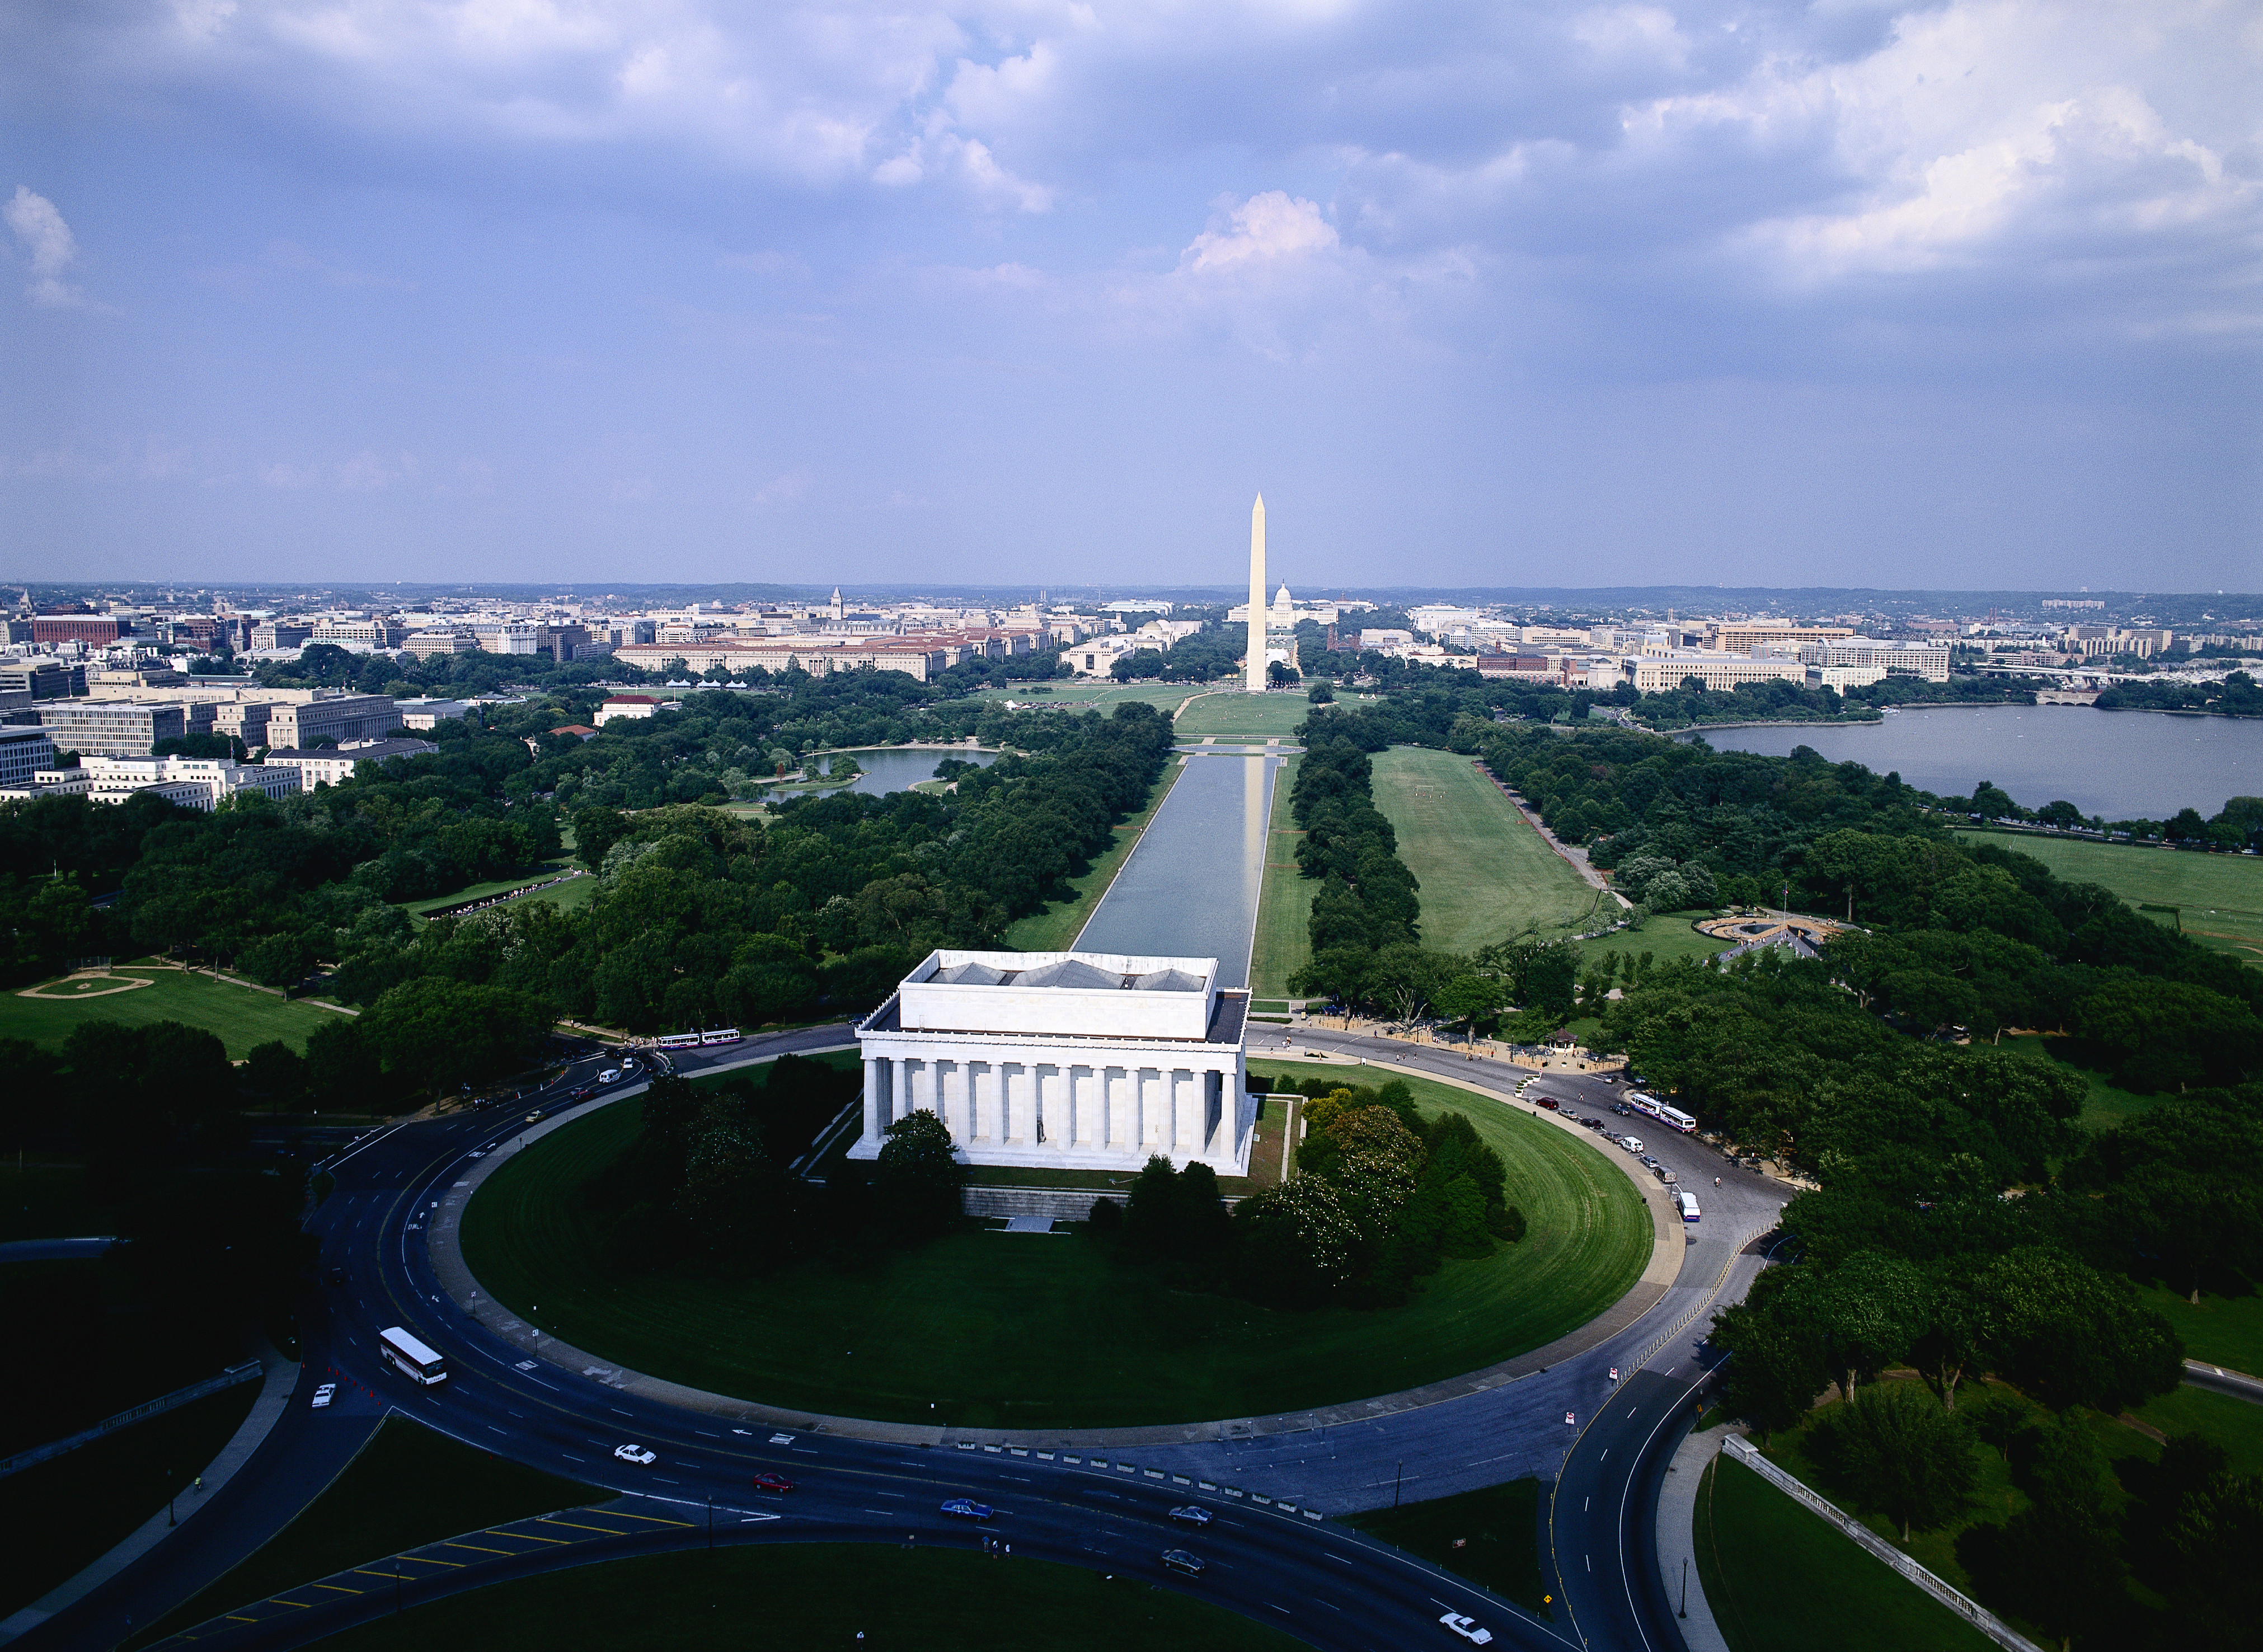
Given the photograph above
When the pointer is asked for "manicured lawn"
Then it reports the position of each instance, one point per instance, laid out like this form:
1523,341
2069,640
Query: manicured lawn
571,894
2224,1331
1665,936
1103,697
2233,1423
408,1486
2221,896
1055,928
1486,875
1284,905
2107,1105
799,1595
241,1016
1779,1580
68,1513
1235,716
991,1329
1498,1528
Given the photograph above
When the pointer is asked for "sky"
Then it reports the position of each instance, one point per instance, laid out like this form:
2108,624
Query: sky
1955,295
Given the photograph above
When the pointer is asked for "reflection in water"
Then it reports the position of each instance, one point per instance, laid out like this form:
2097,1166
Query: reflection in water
1190,888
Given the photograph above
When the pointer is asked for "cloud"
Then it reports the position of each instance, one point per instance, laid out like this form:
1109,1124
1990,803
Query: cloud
51,248
1265,227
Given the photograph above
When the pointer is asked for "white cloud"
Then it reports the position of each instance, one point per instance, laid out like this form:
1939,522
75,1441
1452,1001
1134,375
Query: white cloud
50,246
1273,225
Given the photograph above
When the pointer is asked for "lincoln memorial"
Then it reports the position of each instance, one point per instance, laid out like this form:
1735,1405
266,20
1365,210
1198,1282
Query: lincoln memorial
1084,1061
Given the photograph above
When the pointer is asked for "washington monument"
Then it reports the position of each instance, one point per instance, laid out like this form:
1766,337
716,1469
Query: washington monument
1253,678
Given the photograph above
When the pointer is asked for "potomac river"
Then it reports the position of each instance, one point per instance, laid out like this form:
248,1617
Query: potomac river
2120,765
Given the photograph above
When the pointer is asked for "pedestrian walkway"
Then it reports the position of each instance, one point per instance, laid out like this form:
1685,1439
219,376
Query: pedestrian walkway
1677,1538
274,1397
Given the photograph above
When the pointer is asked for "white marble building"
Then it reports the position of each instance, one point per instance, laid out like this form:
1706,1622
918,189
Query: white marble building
1083,1060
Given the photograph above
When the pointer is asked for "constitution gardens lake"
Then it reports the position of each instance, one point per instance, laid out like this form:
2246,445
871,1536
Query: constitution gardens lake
897,768
1190,887
2120,764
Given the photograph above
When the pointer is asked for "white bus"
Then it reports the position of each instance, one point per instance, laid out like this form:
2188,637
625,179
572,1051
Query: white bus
1651,1107
1687,1201
720,1035
412,1358
677,1041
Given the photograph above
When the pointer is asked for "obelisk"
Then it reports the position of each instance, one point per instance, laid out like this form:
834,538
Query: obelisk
1253,677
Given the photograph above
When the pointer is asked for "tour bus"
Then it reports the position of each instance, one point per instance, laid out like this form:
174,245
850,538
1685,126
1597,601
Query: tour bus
1651,1107
677,1041
1687,1201
411,1358
720,1035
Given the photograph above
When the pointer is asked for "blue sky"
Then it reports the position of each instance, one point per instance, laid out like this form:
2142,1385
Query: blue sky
1956,296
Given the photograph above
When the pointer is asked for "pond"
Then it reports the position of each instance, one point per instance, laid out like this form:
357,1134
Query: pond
899,768
1190,888
2120,765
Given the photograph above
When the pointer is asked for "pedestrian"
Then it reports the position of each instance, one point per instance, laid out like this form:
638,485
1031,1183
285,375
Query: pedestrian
1717,1181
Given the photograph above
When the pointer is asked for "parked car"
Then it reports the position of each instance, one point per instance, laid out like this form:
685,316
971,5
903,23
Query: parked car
768,1481
1192,1514
610,1076
1187,1565
324,1394
636,1454
1632,1144
1468,1628
1547,1102
967,1509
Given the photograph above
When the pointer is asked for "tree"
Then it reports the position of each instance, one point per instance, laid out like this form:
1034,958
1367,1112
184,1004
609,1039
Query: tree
1862,1314
275,1075
1774,1372
918,1175
435,1034
1320,694
1468,1000
2073,1335
1905,1456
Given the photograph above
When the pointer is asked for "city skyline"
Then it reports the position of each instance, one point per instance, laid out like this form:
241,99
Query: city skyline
1773,295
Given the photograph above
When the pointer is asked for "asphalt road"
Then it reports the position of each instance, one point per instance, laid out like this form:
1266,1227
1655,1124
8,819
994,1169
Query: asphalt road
1319,1580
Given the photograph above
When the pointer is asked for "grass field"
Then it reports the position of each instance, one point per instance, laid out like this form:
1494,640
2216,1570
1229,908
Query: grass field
808,1595
68,1513
241,1016
2224,1331
569,895
1665,936
1104,697
1486,875
1779,1580
1284,905
991,1330
408,1487
1236,716
1498,1528
1052,929
2108,1104
2221,896
2233,1423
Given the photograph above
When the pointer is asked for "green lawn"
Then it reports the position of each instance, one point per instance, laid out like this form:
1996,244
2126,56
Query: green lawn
1105,697
569,895
2221,896
998,1331
68,1513
2107,1105
1486,873
241,1016
806,1595
408,1486
1056,927
2224,1331
1233,716
1284,904
1779,1580
1498,1529
1665,936
2235,1424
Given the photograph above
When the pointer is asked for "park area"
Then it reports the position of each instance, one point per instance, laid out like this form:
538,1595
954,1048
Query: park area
1012,1330
2218,898
1237,718
138,995
1486,875
1283,942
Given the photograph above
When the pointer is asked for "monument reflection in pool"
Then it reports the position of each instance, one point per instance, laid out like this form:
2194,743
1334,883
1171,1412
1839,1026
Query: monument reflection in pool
1190,888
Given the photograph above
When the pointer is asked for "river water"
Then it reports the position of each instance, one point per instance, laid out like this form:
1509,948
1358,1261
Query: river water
1190,888
2122,764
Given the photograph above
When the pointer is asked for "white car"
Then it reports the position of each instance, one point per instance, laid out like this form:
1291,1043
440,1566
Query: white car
324,1394
636,1454
1632,1144
610,1076
1468,1628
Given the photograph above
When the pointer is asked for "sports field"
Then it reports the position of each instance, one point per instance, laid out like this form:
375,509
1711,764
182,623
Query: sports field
1051,930
241,1016
1284,905
1486,873
1236,716
2219,896
1779,1580
1012,1330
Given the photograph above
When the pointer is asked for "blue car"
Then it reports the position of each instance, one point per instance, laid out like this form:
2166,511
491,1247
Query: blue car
966,1509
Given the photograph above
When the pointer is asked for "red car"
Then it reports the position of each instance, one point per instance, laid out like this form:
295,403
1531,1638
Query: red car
1545,1102
778,1484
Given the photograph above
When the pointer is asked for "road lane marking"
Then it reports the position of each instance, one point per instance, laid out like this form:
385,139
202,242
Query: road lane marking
552,1521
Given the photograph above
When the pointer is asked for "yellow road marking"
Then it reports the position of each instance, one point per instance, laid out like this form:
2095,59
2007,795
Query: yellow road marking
654,1519
578,1526
479,1548
531,1536
278,1600
339,1589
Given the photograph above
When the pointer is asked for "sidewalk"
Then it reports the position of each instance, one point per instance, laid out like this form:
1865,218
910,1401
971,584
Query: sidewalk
274,1396
1677,1537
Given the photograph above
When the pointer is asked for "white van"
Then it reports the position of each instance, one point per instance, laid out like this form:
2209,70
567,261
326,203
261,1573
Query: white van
1632,1144
1687,1201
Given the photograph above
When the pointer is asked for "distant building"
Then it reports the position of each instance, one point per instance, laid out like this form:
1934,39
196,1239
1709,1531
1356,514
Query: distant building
627,706
42,679
1928,660
334,765
275,633
191,782
427,712
96,631
111,728
1741,636
426,644
368,633
24,750
331,715
1662,673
